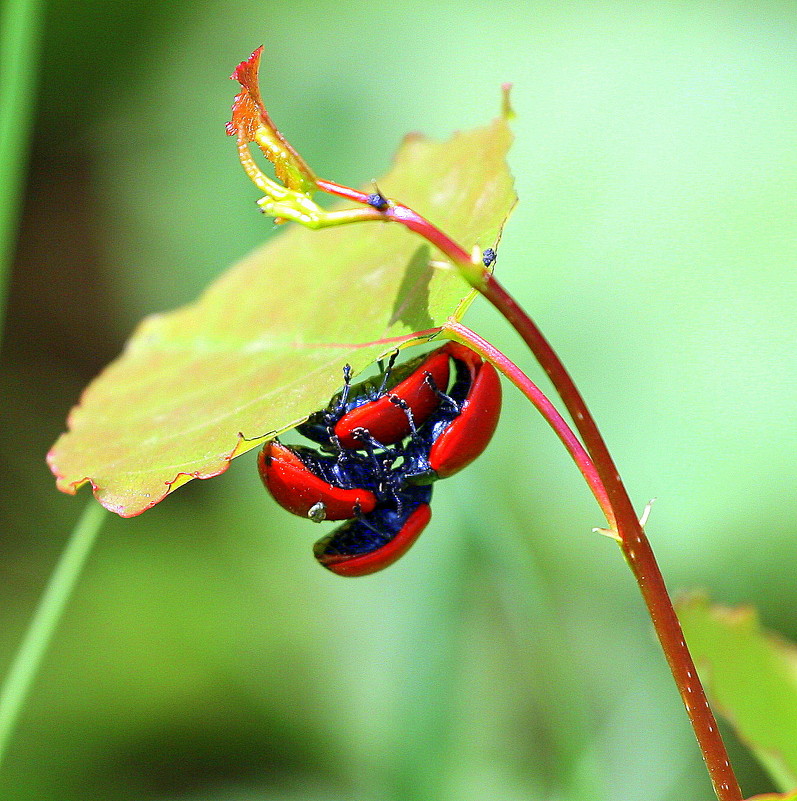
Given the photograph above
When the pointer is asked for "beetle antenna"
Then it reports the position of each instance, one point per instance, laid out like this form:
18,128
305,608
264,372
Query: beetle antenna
344,393
386,372
429,379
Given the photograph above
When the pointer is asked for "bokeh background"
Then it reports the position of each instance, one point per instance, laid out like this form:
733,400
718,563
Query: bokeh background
508,656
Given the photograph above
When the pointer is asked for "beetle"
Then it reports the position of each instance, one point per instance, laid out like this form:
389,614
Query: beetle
362,407
451,435
378,201
464,422
381,449
372,542
314,485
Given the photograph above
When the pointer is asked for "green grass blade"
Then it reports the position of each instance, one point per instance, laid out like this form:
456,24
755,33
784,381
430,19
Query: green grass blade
20,25
26,663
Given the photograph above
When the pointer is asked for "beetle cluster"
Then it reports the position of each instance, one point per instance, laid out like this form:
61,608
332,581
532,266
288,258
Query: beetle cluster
380,448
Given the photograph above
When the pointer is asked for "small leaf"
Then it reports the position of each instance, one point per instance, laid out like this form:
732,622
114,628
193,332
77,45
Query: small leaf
751,676
251,123
265,345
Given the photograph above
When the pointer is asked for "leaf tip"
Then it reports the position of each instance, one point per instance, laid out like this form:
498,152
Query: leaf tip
247,108
246,72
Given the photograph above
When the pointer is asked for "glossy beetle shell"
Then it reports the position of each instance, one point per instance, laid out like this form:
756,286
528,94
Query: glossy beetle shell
469,433
298,489
367,405
387,422
375,541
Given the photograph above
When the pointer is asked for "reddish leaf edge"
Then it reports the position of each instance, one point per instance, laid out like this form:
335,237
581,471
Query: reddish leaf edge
243,443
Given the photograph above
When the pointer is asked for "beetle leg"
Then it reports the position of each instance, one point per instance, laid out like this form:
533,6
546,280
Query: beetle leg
343,455
369,525
390,481
405,407
447,399
370,446
394,491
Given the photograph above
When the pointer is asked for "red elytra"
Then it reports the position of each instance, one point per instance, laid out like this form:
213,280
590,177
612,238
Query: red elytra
374,561
296,488
469,433
387,422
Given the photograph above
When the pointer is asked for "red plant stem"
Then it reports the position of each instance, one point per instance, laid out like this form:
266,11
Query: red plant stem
404,215
630,534
562,430
342,191
635,547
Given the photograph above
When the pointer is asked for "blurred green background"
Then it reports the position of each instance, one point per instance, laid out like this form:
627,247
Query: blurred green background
508,656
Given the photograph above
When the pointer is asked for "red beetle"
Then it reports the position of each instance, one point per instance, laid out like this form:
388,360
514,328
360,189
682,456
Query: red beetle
301,481
373,542
413,428
464,422
381,411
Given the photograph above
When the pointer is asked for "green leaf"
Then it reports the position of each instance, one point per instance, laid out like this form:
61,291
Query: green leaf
265,345
751,677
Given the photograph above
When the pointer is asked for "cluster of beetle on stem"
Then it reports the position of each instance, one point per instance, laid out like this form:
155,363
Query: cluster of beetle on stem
380,449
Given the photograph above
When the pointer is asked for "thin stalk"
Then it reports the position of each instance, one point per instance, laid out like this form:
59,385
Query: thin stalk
635,547
398,212
629,532
28,658
20,24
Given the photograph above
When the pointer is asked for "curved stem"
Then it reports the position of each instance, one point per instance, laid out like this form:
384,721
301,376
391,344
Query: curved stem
551,414
630,534
20,27
398,212
29,656
566,389
635,547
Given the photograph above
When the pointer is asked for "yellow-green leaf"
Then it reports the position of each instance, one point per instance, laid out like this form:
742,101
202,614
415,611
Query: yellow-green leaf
265,345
